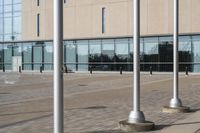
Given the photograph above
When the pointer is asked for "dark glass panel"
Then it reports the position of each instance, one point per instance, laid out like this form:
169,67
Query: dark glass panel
95,54
108,54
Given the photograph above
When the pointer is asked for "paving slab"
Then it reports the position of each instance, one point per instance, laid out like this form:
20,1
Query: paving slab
92,103
189,125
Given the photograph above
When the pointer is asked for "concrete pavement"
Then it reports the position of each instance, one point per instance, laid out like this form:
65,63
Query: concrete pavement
94,103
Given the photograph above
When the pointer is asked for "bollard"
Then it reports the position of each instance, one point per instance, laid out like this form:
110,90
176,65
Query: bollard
150,70
90,69
186,71
3,68
64,69
120,70
40,69
20,69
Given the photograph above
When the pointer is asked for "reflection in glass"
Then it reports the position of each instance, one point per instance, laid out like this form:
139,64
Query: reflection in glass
165,49
95,54
1,56
37,57
82,51
48,56
108,54
70,55
8,56
27,56
196,53
151,53
121,50
185,52
17,49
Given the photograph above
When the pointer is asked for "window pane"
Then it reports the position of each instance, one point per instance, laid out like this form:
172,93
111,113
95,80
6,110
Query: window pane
108,54
16,7
185,49
196,53
103,20
82,49
17,25
27,56
7,56
70,55
7,2
7,25
7,8
165,49
48,56
95,54
150,53
121,50
1,56
37,57
17,49
108,50
95,50
16,1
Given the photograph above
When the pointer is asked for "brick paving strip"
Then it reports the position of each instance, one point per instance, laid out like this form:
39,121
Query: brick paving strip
93,103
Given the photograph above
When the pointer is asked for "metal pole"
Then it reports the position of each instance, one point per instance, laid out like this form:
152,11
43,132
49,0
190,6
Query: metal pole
175,101
58,63
136,116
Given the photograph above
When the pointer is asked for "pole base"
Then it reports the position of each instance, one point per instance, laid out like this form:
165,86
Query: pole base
175,103
136,117
136,127
182,109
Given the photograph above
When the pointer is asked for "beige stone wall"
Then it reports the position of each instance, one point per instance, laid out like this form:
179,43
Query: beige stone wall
82,18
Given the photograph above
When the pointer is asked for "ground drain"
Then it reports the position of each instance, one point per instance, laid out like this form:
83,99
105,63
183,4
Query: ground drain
96,107
82,85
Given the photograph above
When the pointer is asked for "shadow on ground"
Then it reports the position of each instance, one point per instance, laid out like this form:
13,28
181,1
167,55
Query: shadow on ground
106,131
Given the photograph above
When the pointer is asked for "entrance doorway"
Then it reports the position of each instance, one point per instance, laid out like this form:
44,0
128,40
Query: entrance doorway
16,63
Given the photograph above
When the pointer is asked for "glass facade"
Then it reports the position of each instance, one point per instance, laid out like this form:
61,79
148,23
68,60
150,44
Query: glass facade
105,54
10,20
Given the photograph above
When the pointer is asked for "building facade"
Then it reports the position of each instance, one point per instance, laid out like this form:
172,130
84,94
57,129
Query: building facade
98,34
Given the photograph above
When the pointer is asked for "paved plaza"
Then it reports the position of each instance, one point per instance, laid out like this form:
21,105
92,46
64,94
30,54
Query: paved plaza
94,103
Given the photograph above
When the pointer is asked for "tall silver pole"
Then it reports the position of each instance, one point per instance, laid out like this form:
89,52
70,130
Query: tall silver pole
58,61
175,101
136,116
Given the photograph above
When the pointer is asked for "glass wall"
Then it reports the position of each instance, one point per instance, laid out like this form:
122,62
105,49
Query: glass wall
10,20
105,54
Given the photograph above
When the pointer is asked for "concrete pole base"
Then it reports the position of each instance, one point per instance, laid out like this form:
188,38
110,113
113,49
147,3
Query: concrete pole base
136,127
182,109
